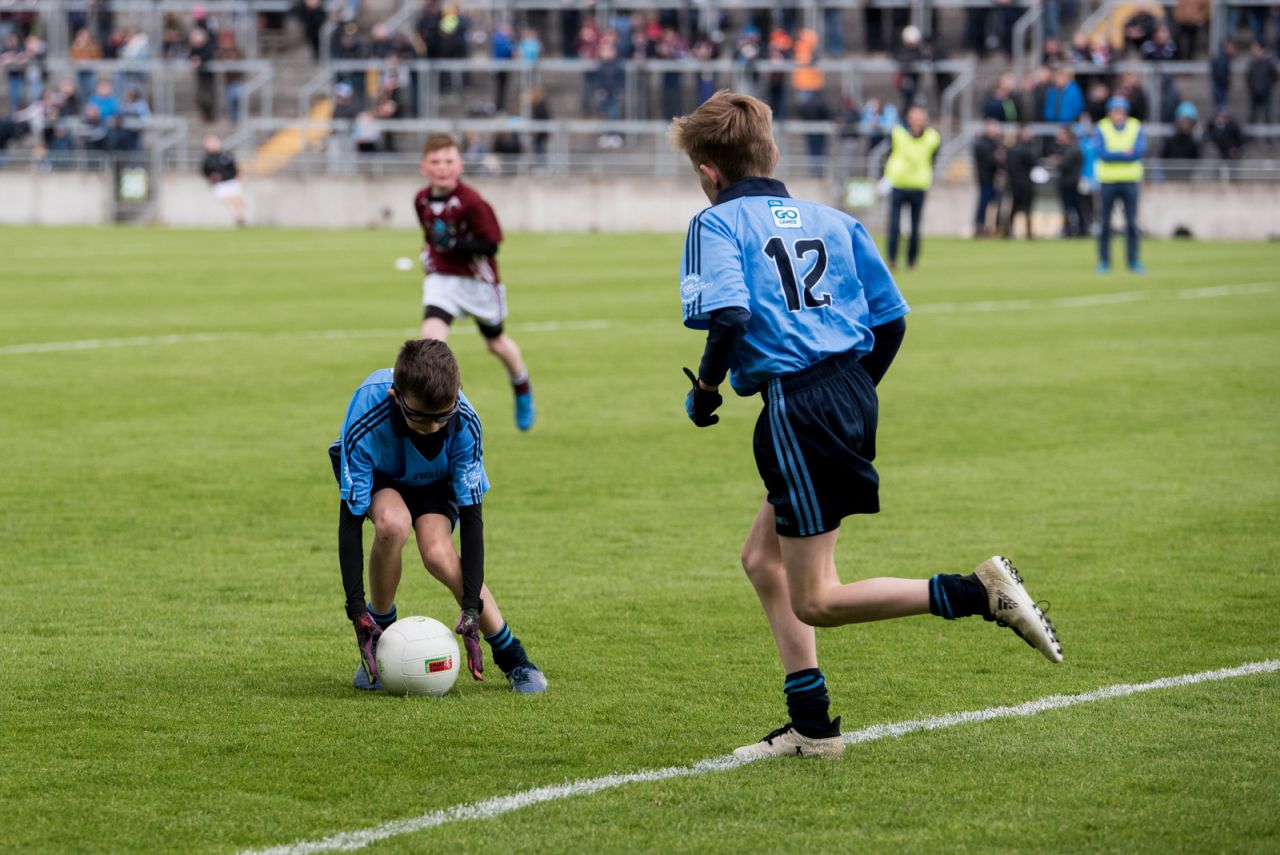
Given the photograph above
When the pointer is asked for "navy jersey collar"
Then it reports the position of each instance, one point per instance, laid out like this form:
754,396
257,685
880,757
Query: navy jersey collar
752,187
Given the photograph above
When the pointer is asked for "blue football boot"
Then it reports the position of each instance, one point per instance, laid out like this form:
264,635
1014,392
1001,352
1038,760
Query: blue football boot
527,679
362,682
525,412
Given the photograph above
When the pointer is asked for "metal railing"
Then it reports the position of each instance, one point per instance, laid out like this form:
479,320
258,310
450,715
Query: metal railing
150,15
961,145
159,79
848,75
553,147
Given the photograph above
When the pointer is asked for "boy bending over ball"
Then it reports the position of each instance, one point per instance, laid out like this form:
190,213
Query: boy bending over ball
410,459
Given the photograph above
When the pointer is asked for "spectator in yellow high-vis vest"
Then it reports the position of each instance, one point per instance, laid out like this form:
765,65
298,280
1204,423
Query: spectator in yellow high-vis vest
1121,144
909,171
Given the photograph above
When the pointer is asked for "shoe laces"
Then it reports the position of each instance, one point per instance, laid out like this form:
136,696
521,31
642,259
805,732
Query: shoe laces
521,673
774,734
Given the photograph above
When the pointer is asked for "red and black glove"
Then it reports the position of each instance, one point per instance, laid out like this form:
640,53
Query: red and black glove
469,628
367,634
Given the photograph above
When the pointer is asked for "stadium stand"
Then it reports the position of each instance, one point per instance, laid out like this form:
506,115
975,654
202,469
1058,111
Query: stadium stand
549,86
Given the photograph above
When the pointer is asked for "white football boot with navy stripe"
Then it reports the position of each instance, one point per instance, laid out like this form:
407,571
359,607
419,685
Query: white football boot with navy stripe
786,741
1010,605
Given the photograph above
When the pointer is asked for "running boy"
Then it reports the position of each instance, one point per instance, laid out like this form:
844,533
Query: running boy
459,255
800,307
410,458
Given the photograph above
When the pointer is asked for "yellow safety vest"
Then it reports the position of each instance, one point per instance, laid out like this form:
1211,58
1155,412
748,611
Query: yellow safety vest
1119,140
910,163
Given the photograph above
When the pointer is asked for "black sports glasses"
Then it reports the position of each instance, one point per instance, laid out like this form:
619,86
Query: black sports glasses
424,418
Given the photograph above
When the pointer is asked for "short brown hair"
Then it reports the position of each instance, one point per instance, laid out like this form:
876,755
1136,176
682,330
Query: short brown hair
435,142
732,131
427,370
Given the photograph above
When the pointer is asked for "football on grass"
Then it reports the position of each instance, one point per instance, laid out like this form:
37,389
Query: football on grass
417,656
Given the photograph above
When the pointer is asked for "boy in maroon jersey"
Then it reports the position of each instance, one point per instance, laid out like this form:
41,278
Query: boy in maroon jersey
461,244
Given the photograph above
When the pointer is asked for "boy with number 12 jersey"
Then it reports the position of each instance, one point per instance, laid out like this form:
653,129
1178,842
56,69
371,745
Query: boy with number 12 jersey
799,307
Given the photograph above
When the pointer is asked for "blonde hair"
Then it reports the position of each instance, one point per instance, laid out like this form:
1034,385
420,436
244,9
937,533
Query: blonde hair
732,131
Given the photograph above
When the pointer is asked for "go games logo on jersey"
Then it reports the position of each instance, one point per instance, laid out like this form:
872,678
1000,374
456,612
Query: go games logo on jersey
784,216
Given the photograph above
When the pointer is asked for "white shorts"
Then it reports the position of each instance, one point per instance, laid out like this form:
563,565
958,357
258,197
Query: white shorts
227,189
461,296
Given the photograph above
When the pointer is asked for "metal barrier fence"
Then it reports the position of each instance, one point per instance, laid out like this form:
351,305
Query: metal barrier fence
159,80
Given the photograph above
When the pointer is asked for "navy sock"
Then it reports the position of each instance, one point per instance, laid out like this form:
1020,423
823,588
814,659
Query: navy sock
381,619
952,595
808,703
507,650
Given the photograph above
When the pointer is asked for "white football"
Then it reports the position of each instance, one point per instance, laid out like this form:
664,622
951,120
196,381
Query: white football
403,263
418,656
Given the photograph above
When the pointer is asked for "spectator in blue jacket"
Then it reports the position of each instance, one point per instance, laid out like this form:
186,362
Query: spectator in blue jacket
504,48
1063,101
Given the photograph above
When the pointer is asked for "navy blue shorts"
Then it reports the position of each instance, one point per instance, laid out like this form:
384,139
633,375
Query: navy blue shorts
435,498
814,443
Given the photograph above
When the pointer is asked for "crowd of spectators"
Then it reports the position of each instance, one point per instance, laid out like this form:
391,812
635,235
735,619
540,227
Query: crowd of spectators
1073,81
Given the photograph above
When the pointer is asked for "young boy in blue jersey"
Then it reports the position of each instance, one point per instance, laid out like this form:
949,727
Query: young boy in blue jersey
799,307
410,458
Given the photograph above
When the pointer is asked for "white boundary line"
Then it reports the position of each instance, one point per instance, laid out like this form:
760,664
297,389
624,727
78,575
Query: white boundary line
1085,301
499,805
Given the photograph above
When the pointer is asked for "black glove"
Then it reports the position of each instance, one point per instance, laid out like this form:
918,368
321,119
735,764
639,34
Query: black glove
443,236
700,403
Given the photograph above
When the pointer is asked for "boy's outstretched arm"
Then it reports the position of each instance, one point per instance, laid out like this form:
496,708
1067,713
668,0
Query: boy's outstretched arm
471,535
724,337
351,560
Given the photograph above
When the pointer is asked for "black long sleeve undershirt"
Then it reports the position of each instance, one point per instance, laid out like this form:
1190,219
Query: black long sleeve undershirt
351,557
888,340
471,536
724,336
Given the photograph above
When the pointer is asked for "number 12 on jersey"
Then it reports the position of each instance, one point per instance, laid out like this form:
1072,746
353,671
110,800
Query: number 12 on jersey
776,249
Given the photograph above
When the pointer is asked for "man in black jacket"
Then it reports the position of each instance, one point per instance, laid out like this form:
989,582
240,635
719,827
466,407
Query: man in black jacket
988,163
1070,168
1220,74
1022,159
1260,80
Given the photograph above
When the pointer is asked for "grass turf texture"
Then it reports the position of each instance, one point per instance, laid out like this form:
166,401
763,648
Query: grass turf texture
178,671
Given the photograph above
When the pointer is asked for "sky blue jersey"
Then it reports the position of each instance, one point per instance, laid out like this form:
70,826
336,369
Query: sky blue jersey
810,275
375,438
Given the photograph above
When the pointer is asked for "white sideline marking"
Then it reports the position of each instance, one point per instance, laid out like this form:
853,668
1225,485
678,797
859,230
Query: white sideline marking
559,326
499,805
204,338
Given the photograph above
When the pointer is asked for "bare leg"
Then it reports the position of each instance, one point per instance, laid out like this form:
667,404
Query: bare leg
435,328
762,561
435,542
236,204
819,599
391,524
505,348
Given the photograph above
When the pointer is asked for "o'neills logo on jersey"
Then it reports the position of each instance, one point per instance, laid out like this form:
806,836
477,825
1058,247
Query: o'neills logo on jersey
691,286
785,217
443,663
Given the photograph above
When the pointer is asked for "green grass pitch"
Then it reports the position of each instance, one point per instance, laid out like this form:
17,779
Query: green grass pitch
177,666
